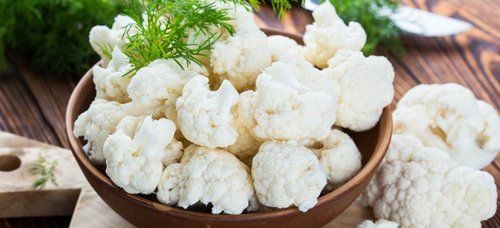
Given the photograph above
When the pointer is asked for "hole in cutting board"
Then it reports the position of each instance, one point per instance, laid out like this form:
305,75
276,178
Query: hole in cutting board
9,163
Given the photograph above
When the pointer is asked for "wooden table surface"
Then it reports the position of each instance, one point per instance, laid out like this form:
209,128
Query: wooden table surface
32,104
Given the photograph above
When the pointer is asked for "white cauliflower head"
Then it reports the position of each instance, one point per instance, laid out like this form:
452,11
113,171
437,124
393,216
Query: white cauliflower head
449,117
418,186
134,162
240,58
247,144
294,103
328,34
365,88
381,223
155,88
96,124
130,124
286,174
103,39
339,157
283,47
204,116
208,176
111,82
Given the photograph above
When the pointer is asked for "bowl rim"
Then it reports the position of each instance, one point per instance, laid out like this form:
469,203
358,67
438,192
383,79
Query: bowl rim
370,166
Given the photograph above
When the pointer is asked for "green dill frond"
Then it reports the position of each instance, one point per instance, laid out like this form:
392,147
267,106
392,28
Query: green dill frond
381,31
45,169
163,27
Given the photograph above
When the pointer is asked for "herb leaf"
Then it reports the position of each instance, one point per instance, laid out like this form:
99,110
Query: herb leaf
163,27
45,169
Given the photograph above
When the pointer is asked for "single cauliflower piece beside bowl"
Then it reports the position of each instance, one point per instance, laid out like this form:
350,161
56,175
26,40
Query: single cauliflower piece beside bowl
450,117
418,186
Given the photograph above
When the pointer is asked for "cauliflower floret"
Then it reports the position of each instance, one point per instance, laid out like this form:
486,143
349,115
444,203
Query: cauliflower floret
154,89
449,117
102,38
208,176
328,34
294,103
96,124
247,144
240,58
134,163
382,223
129,125
283,47
339,157
204,116
110,82
286,174
365,88
419,186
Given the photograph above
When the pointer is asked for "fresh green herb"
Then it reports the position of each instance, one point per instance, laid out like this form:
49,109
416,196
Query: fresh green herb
381,30
45,169
163,27
53,34
280,6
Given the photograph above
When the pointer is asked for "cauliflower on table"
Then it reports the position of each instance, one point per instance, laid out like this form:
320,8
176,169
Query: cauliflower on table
418,186
365,88
287,174
134,156
294,102
111,82
450,117
328,34
96,124
103,39
339,157
381,223
204,116
208,176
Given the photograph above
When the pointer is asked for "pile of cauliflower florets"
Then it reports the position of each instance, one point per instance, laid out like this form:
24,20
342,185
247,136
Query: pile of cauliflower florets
430,175
257,126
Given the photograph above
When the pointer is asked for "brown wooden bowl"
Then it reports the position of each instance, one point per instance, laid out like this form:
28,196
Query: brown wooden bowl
147,212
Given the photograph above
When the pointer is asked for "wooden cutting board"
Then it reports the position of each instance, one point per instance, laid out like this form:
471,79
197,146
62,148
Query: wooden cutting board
73,195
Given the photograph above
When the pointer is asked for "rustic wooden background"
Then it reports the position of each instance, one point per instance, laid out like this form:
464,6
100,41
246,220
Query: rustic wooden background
32,104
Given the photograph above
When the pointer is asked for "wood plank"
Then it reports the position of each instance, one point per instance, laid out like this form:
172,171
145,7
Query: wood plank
18,198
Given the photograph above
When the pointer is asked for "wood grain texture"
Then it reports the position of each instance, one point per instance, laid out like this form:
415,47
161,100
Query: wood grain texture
18,198
31,103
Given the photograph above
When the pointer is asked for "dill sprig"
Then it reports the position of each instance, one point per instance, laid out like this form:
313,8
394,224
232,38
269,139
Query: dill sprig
381,31
45,169
163,27
279,6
